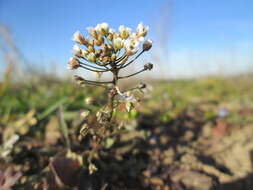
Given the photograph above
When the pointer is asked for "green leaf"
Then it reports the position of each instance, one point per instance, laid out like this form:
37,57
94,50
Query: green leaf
52,108
63,126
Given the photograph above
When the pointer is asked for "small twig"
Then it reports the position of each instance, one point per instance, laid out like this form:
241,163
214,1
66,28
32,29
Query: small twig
125,65
121,58
99,71
100,85
92,66
97,82
80,79
132,74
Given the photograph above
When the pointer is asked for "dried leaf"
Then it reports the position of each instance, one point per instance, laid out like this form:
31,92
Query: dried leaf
66,171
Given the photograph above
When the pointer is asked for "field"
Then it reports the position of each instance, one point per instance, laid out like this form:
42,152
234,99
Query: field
184,134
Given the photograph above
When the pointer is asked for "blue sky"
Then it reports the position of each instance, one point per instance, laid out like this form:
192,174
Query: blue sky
196,34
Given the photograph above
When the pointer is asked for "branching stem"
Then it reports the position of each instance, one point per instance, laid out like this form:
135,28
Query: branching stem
133,74
125,65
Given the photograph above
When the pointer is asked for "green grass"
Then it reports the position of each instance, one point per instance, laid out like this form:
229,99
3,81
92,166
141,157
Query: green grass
170,97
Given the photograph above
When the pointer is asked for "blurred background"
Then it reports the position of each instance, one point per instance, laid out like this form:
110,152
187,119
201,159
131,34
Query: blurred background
191,38
192,122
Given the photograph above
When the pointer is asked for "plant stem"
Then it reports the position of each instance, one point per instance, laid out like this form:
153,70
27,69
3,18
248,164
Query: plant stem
132,74
113,92
125,65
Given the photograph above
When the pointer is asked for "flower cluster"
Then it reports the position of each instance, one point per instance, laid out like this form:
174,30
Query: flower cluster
105,50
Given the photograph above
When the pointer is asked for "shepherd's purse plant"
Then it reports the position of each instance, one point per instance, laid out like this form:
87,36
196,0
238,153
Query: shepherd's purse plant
105,50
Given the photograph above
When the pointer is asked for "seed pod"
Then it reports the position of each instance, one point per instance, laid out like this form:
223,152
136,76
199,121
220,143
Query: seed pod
148,66
147,45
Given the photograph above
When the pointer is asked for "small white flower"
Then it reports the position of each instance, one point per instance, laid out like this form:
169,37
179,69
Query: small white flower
77,37
124,97
131,45
111,31
73,63
90,40
137,38
91,30
127,98
141,30
104,25
85,113
84,52
124,31
103,28
118,43
77,51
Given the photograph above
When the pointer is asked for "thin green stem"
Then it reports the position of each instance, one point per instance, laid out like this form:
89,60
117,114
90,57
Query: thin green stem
121,58
132,74
125,65
99,71
84,64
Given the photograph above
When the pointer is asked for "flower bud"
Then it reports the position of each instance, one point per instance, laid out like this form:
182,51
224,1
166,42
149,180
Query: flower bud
106,59
104,48
130,46
147,45
84,53
73,63
110,47
98,52
91,49
110,37
98,42
91,57
148,66
100,58
124,32
92,32
118,43
100,38
113,57
77,37
90,42
77,51
103,28
141,30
